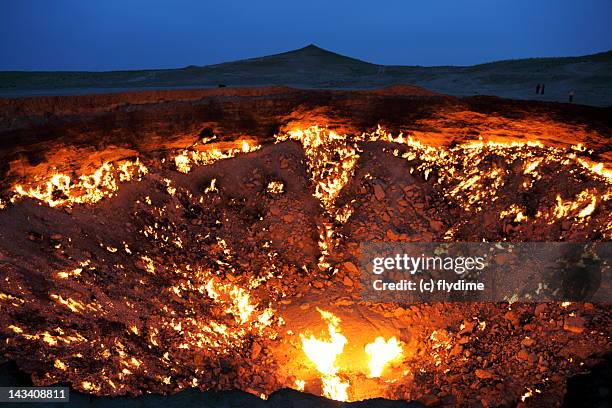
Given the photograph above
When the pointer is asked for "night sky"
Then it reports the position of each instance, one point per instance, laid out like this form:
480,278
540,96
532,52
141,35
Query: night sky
123,34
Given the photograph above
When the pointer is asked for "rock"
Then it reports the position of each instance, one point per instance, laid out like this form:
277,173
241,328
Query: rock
523,355
533,358
123,293
379,193
255,350
483,374
527,342
409,191
540,309
318,284
436,225
574,324
512,318
399,312
351,268
503,259
344,302
456,350
139,264
347,281
468,327
530,327
391,235
56,237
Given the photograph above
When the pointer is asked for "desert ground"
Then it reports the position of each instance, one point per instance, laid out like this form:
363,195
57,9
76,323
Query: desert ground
589,77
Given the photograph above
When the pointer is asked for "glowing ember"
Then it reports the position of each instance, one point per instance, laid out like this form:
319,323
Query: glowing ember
212,153
239,303
275,187
60,189
300,384
588,210
323,354
565,208
381,353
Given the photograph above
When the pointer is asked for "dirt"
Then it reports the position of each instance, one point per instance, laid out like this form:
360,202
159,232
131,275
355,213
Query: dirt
113,296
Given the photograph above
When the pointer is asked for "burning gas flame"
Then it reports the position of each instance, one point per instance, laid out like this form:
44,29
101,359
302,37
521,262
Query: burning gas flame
185,161
381,353
323,354
565,208
331,160
240,302
61,189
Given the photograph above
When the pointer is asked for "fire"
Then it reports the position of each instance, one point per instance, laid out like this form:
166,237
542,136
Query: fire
239,313
331,160
565,208
381,353
588,210
61,189
515,211
336,379
597,168
323,354
239,303
275,187
300,384
213,152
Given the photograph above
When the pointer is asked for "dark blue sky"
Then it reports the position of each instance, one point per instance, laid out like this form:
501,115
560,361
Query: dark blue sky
124,34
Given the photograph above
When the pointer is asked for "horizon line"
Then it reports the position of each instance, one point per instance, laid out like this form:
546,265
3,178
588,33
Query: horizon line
299,49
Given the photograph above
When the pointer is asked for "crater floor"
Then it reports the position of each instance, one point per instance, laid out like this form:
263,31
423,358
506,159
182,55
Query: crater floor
161,241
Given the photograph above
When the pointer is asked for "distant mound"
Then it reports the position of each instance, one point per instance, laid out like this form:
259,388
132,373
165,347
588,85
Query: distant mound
590,77
310,57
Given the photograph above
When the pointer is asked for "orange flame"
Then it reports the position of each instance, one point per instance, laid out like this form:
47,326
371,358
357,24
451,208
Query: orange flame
323,354
381,353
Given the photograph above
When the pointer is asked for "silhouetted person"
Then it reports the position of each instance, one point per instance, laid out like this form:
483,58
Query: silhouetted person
571,96
542,89
538,89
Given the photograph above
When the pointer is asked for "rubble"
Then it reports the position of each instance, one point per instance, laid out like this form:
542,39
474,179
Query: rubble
574,324
206,276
